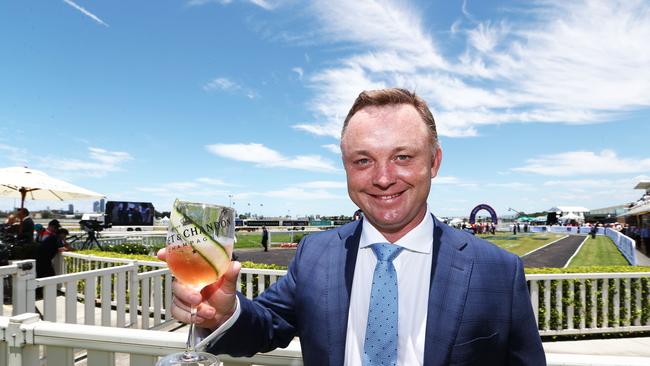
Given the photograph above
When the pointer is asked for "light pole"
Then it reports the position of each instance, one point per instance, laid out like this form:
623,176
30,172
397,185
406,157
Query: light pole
230,200
515,211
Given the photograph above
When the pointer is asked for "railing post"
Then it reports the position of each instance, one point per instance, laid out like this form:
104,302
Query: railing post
59,264
134,289
534,299
24,287
20,340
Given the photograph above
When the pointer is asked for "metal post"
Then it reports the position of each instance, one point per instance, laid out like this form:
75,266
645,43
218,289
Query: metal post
24,287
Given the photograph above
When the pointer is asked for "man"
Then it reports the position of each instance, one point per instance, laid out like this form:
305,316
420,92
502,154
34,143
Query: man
460,300
46,251
265,239
52,228
26,231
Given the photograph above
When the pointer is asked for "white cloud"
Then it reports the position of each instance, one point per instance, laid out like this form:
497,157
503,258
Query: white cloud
584,163
264,4
111,158
569,62
228,85
334,148
519,186
265,157
295,193
212,181
16,155
85,12
299,71
445,180
323,184
99,163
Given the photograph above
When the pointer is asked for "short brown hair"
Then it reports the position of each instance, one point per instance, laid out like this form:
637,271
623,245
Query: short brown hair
391,96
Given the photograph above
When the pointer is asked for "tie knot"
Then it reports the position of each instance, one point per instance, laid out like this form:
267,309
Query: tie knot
386,252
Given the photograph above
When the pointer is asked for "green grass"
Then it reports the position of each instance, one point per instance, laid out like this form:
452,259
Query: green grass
254,240
521,244
598,252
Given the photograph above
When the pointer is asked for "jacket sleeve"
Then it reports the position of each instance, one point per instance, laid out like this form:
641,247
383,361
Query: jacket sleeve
525,344
265,323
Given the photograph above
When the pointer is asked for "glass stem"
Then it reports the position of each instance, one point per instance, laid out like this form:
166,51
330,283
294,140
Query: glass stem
189,345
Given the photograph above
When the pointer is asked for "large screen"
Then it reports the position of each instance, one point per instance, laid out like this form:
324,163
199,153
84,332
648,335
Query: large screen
129,213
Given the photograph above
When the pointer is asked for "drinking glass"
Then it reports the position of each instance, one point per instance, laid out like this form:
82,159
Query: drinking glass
200,242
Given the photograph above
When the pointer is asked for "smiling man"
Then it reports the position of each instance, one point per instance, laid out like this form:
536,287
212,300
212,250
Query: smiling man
398,287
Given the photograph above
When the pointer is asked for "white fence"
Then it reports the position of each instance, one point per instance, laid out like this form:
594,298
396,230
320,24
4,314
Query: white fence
584,303
104,291
563,304
24,339
625,245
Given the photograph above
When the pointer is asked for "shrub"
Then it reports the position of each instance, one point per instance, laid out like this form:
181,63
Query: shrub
129,248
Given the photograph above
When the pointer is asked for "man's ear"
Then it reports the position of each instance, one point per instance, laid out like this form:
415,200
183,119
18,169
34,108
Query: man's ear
436,161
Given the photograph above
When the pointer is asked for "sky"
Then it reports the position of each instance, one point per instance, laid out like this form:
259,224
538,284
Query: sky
537,103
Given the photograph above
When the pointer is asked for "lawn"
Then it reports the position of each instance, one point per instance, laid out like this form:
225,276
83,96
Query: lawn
598,252
254,240
521,244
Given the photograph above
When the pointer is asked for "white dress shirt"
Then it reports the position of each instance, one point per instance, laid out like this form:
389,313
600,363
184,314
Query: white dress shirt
413,267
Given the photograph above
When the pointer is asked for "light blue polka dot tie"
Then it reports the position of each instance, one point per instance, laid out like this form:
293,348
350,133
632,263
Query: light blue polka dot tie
380,345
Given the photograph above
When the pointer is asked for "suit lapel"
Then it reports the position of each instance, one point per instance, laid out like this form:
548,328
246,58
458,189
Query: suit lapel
450,272
342,260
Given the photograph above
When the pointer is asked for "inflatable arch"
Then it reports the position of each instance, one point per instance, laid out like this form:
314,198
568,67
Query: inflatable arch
490,210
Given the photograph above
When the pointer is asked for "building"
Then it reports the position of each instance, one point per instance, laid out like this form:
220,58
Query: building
637,219
71,208
606,215
102,205
568,214
96,206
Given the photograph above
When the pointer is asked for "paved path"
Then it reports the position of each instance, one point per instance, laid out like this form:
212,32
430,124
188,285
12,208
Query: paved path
556,254
279,256
642,259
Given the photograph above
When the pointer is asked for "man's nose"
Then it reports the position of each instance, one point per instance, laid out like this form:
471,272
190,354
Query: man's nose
384,175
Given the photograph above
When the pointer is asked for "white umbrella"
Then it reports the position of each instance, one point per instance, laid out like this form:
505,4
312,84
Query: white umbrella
36,185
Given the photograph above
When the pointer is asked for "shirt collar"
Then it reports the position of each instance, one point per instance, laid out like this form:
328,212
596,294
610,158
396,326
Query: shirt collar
419,239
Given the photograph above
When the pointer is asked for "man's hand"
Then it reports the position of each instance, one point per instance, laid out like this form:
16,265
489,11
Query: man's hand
214,304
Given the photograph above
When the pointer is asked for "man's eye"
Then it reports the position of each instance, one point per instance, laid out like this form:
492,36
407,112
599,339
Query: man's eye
402,157
362,161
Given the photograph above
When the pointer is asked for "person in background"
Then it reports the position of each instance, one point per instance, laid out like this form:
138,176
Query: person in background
26,230
52,227
265,239
46,251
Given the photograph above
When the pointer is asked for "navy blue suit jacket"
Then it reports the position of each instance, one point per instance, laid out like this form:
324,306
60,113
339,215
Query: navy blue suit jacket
479,308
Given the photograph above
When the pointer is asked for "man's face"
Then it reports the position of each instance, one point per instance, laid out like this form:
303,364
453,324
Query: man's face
389,164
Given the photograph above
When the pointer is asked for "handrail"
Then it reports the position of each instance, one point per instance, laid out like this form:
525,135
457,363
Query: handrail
25,333
83,275
580,276
563,303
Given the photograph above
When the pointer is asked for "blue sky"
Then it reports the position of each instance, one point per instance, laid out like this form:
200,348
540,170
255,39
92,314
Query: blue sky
538,104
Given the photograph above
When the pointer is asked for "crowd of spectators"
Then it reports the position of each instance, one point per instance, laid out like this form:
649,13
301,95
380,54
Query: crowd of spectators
22,239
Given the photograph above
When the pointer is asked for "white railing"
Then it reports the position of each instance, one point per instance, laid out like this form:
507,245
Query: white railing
581,303
26,341
23,336
106,291
625,245
563,303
